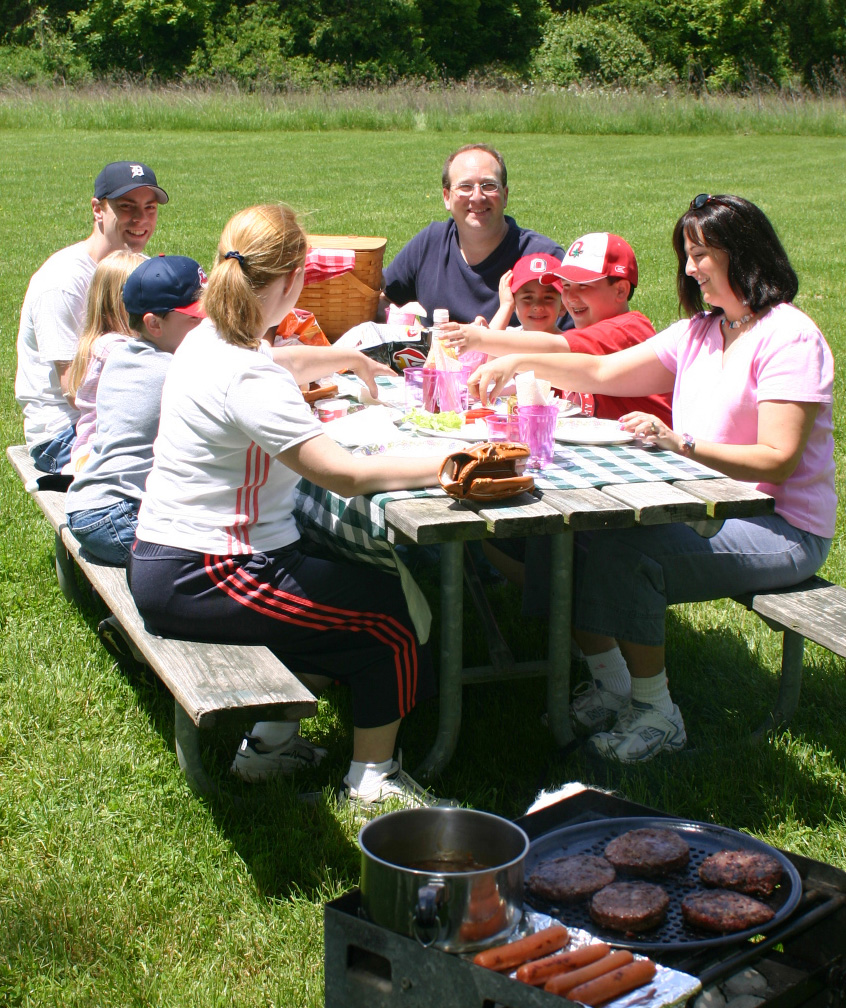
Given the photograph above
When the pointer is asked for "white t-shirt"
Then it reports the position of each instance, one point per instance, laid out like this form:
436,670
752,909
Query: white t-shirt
216,486
51,317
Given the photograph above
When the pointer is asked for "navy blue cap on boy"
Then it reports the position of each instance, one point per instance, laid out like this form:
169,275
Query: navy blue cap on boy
165,283
121,177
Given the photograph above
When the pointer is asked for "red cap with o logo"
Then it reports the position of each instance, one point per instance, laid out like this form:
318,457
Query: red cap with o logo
533,267
594,256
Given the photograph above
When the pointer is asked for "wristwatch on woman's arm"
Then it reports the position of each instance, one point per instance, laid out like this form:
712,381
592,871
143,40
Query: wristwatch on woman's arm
688,445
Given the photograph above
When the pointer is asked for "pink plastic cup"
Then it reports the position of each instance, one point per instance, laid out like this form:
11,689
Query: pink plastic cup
537,430
444,391
413,387
502,428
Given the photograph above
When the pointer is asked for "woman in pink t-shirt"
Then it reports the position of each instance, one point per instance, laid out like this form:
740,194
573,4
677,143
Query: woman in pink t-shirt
751,378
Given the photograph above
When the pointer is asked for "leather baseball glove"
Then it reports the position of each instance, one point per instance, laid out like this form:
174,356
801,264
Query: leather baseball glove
489,471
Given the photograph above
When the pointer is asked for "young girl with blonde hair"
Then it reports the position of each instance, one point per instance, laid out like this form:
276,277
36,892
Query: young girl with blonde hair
218,555
106,325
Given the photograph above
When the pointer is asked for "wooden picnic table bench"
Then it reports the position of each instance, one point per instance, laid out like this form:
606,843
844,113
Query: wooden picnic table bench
814,610
212,684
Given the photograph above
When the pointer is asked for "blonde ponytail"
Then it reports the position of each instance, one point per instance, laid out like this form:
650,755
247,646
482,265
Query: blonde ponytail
258,245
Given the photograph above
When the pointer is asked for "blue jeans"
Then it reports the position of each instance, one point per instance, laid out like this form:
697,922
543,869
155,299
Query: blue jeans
626,578
53,456
107,533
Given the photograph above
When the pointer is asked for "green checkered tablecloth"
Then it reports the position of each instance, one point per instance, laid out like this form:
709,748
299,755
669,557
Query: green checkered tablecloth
355,526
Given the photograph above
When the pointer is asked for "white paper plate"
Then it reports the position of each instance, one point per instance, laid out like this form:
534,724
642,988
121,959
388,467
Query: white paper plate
591,430
418,447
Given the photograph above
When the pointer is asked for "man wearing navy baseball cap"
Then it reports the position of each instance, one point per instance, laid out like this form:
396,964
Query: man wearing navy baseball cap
162,298
125,208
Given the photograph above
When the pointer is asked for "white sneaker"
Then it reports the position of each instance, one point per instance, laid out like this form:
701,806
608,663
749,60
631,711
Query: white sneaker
255,761
395,790
640,733
594,707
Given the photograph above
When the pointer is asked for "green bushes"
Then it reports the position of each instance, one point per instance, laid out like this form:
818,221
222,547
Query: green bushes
579,47
290,44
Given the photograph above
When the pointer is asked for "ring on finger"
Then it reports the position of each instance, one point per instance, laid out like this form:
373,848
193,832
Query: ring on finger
653,428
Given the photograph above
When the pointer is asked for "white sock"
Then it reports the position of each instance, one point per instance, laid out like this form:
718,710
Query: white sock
610,669
366,777
653,691
275,733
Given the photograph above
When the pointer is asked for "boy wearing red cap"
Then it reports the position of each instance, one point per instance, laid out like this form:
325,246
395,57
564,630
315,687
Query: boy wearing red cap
596,278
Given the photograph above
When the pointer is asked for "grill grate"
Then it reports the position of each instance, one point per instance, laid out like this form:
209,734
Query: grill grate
703,840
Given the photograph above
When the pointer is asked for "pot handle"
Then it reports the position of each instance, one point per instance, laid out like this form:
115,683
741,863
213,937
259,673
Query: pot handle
429,899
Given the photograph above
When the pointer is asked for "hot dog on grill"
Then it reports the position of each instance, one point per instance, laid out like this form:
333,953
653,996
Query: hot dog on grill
612,985
534,946
539,971
563,983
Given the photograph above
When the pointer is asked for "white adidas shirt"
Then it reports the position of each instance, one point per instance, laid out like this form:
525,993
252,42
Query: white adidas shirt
215,485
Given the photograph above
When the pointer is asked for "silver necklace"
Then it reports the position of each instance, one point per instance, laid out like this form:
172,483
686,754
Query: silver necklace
739,322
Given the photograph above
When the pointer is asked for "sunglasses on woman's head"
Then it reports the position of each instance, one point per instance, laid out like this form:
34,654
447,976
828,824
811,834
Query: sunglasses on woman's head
699,201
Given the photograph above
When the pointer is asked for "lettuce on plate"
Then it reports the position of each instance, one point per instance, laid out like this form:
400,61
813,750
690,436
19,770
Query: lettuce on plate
434,421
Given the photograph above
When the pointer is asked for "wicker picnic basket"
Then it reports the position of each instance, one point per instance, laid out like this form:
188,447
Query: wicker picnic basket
344,301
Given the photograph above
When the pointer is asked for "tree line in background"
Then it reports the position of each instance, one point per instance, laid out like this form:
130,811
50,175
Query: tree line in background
715,44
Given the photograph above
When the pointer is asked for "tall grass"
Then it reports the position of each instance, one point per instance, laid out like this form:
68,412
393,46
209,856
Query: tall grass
426,108
117,886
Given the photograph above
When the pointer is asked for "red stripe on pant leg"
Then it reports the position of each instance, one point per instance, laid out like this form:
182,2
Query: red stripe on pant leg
378,624
246,590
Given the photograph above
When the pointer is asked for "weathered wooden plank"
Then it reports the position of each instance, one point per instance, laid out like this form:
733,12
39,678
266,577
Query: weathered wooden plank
589,508
212,682
815,609
524,515
428,520
657,503
727,498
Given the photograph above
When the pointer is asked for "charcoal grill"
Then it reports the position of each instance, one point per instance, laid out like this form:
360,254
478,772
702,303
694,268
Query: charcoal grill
803,958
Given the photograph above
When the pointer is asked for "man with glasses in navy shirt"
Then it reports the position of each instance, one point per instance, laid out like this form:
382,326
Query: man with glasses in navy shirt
457,264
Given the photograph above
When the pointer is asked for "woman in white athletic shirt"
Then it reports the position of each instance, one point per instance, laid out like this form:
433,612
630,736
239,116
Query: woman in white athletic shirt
218,555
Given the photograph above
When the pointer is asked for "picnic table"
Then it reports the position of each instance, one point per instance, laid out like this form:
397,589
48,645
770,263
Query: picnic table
586,488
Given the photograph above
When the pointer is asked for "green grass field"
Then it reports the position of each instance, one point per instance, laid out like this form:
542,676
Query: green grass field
117,886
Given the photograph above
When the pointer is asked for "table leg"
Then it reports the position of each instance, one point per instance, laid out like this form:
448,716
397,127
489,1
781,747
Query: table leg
452,660
560,602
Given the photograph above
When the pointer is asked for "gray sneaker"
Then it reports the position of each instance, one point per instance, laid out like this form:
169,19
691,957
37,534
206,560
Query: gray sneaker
256,762
594,707
395,790
640,733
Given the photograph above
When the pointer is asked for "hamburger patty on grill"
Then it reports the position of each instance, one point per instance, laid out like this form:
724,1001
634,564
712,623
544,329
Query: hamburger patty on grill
752,872
723,911
630,906
648,852
567,879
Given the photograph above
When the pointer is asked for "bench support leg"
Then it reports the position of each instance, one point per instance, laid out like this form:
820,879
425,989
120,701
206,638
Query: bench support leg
66,573
789,685
189,755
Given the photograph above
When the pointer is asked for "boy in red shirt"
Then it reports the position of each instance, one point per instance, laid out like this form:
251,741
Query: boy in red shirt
596,278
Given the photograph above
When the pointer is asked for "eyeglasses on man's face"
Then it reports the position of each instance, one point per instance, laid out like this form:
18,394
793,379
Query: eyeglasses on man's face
466,189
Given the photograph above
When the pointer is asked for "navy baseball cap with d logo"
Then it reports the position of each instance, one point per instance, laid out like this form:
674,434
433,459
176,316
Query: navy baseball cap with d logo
121,177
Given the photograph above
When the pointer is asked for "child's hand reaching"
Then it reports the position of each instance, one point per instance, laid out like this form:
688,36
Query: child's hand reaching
462,336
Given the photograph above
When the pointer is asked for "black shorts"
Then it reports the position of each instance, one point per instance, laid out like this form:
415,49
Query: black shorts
320,616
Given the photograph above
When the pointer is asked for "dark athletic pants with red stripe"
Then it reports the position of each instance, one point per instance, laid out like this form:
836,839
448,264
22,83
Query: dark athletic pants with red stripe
319,616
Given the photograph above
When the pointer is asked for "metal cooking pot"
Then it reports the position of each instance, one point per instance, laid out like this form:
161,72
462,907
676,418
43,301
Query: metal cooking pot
449,877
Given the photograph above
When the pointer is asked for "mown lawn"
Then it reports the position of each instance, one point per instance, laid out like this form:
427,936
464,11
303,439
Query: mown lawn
117,886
